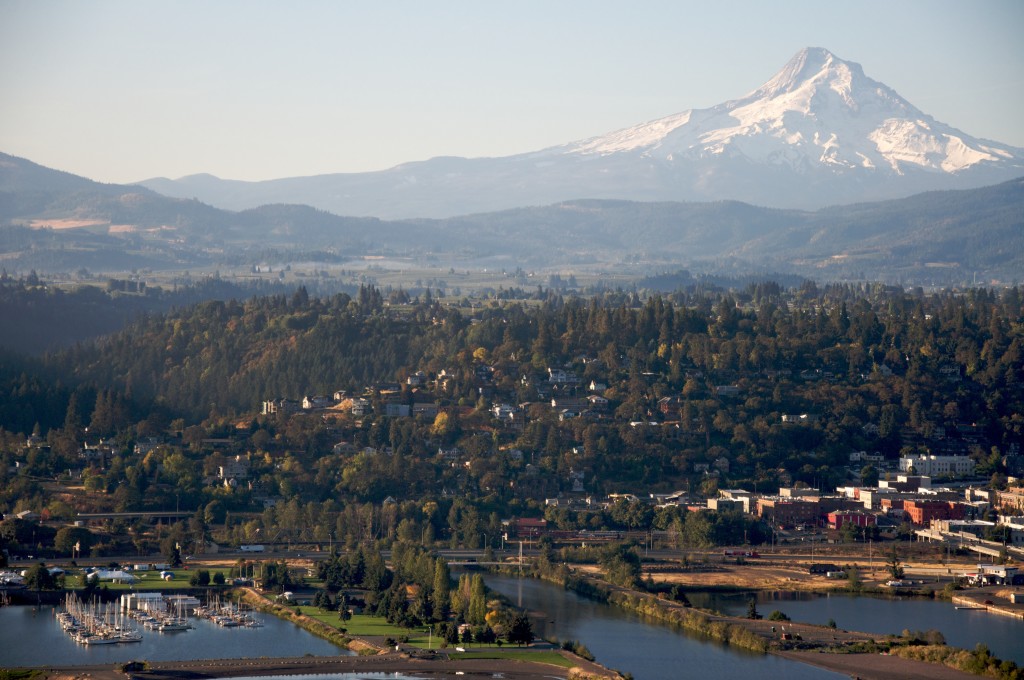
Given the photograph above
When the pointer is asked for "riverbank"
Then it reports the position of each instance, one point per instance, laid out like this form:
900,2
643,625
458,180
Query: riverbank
375,653
877,666
995,600
258,601
885,656
418,666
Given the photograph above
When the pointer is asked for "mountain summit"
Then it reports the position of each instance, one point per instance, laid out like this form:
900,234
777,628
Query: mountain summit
819,132
818,114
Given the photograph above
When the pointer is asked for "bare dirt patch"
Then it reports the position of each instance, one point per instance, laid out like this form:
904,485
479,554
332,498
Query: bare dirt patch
65,224
878,666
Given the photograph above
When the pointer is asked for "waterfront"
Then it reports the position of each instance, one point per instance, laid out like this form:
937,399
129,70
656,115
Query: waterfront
961,627
625,642
372,675
50,646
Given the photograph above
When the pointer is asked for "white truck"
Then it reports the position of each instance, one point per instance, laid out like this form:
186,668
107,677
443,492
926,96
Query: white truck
251,548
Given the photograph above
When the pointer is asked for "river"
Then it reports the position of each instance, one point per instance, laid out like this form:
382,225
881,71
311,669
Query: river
961,627
30,636
629,644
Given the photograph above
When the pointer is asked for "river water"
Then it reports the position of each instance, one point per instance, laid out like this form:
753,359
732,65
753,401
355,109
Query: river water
961,627
30,636
625,642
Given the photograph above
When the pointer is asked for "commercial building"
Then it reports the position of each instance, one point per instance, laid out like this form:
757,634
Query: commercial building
933,466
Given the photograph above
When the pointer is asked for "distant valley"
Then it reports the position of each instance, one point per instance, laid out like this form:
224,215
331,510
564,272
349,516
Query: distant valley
911,201
56,222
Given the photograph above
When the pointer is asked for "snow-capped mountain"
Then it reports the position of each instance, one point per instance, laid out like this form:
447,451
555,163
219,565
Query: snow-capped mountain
819,132
818,112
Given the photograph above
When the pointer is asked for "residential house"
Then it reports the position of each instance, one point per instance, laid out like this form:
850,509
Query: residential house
317,402
283,406
425,409
865,458
450,454
670,406
397,410
144,446
360,407
234,468
560,403
560,376
504,412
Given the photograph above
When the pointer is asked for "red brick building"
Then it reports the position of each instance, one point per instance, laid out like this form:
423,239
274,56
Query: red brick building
840,517
789,512
922,513
528,527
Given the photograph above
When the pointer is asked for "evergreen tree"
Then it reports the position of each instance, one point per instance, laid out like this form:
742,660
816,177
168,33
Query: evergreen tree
520,632
441,589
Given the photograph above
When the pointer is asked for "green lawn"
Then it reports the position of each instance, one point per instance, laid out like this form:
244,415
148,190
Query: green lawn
150,580
362,625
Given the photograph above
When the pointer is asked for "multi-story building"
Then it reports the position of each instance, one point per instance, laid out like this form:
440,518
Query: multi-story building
932,466
837,519
789,511
921,512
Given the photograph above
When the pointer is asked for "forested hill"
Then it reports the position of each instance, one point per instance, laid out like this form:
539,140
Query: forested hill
768,385
40,317
227,357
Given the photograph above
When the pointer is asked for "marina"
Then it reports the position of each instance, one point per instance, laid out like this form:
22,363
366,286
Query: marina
223,633
93,623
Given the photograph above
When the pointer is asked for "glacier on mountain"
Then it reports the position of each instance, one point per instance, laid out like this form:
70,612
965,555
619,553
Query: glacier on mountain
818,110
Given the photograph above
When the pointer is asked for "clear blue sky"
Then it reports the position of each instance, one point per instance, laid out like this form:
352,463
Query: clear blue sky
124,90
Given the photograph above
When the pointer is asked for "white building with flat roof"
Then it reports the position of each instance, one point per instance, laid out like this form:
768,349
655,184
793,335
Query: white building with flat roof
930,465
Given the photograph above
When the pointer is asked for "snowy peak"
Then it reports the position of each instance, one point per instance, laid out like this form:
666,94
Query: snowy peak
818,132
810,65
815,78
818,113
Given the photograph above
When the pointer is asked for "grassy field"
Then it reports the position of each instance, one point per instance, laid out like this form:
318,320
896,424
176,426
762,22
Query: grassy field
149,580
362,625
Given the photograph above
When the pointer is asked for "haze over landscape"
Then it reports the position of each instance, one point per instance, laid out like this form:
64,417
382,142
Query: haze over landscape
120,91
361,320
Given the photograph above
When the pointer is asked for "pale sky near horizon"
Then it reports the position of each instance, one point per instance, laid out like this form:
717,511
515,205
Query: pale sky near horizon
125,90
